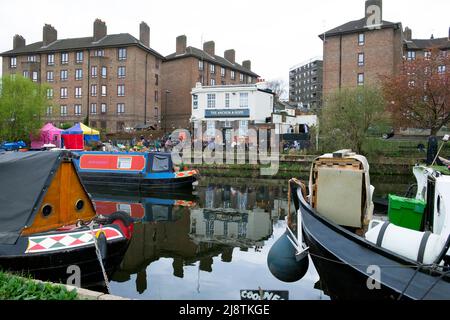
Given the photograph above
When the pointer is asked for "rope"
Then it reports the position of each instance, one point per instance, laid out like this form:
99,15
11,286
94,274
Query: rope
99,257
409,283
435,283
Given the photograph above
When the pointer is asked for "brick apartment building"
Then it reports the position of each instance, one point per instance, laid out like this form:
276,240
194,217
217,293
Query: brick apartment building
306,84
359,52
188,66
113,80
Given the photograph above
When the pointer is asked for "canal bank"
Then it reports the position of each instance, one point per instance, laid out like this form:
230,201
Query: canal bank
293,166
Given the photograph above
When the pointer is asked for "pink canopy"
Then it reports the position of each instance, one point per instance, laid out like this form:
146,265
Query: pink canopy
49,135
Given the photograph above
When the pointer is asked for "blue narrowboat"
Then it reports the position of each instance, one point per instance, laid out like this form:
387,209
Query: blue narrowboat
133,171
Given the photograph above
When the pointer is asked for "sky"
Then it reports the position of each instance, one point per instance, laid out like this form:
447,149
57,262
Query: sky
274,34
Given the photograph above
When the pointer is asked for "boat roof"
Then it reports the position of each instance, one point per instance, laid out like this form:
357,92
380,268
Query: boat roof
25,177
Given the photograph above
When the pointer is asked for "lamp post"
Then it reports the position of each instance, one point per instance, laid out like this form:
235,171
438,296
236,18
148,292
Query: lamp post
167,92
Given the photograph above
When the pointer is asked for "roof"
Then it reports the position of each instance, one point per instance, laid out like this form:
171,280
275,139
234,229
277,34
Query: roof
200,54
113,40
25,178
421,44
357,26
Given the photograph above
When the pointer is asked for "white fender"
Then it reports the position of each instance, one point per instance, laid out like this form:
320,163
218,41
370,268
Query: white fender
405,242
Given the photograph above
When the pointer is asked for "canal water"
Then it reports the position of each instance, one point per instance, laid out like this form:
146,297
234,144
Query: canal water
212,244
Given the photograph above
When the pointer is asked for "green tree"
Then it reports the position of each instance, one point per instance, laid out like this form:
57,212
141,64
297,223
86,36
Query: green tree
22,105
349,114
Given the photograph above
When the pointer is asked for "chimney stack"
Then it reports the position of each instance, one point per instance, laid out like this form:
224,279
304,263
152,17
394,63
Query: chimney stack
230,55
210,48
369,11
408,34
18,42
100,30
181,44
144,34
49,35
247,64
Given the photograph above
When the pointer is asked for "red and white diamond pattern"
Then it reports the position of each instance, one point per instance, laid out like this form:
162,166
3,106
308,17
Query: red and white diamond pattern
68,240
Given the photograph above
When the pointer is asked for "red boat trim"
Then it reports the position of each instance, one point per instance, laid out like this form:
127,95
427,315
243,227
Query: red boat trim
105,162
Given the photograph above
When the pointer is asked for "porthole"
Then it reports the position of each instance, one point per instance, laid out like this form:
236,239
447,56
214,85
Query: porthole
47,210
79,205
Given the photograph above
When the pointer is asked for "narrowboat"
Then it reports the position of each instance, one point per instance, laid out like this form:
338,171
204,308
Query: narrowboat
48,223
133,171
359,256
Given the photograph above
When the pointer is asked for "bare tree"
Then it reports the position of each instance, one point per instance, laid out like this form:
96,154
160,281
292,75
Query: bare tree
278,87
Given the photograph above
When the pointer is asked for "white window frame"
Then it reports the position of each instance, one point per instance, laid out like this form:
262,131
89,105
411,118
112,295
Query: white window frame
50,93
34,76
64,58
120,108
361,39
120,74
51,59
63,110
201,65
79,57
66,73
13,62
78,93
211,100
103,108
49,111
361,59
93,90
104,91
121,90
243,128
93,108
122,54
212,68
227,100
50,76
78,110
243,99
94,71
79,74
64,93
360,77
104,72
233,75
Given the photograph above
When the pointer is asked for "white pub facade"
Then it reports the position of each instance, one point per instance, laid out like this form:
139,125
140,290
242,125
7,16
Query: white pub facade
222,109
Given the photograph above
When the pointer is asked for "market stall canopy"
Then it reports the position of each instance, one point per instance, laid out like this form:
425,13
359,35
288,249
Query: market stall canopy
73,138
23,189
89,133
49,134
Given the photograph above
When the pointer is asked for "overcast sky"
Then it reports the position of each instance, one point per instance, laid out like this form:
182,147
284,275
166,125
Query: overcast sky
274,34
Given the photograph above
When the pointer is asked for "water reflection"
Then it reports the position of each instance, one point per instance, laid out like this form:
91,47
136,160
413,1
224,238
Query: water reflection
209,246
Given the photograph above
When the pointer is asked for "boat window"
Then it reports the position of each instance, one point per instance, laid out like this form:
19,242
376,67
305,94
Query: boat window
124,163
79,205
47,210
160,164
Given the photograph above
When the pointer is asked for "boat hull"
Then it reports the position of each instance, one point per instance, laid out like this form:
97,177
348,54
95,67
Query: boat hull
135,183
53,265
346,262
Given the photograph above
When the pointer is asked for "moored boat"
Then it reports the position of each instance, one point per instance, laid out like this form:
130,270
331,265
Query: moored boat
133,171
356,255
48,223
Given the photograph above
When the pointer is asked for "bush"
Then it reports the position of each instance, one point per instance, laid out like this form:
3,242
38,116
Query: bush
18,288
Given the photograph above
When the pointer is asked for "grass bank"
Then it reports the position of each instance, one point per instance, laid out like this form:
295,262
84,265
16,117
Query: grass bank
13,287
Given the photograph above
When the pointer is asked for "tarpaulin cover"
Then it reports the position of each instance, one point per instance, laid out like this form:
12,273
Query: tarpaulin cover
23,176
49,134
73,141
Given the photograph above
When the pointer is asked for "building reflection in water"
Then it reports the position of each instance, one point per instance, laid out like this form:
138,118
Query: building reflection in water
222,219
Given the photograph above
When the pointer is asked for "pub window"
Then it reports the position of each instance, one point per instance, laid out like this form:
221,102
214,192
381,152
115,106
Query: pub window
211,97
